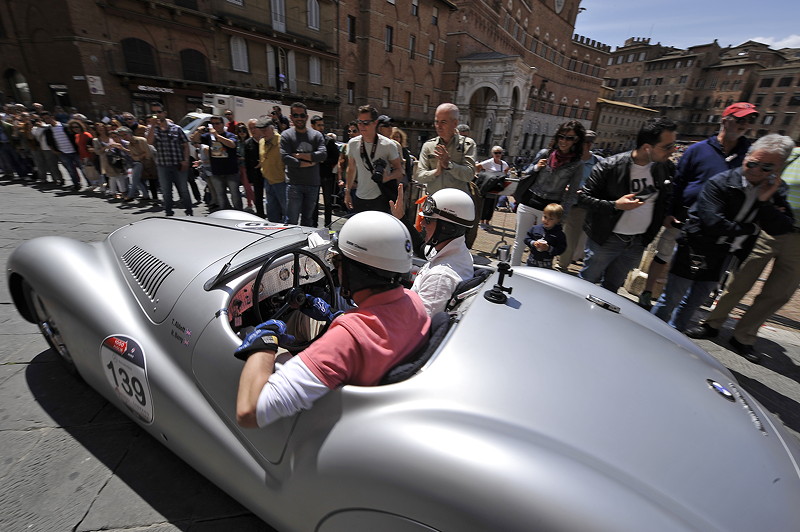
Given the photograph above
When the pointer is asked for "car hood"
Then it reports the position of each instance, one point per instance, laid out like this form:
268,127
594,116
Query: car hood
159,257
551,369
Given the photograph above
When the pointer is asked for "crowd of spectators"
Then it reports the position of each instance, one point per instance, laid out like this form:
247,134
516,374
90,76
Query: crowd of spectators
284,163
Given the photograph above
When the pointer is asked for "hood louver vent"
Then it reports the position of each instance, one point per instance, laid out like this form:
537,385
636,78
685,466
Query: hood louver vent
149,271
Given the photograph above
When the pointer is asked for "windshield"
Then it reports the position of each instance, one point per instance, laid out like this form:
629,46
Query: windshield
282,237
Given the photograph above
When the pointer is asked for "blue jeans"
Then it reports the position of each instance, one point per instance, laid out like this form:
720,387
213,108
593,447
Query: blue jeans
611,262
690,294
137,185
169,176
276,201
72,161
302,204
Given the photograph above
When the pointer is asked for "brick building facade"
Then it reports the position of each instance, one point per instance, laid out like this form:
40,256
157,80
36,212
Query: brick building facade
694,86
514,67
107,55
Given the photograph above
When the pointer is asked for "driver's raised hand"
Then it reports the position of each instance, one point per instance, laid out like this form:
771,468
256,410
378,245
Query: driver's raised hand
265,337
318,309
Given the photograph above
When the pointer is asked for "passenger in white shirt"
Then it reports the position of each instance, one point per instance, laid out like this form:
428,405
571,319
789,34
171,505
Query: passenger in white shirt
446,217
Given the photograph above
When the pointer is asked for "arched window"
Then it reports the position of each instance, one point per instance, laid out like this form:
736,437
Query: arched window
239,59
139,57
194,65
313,14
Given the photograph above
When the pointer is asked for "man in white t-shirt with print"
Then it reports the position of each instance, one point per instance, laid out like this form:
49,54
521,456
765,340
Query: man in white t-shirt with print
371,157
626,198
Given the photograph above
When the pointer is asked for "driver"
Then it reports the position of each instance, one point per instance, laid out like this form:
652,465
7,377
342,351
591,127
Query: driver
362,344
447,215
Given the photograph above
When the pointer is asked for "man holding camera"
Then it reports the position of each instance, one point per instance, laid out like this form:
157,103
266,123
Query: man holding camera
224,161
369,156
172,157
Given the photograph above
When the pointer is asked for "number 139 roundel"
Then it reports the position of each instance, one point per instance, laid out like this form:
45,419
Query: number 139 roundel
124,363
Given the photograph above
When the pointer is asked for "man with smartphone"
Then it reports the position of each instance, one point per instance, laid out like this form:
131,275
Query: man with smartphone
626,196
730,211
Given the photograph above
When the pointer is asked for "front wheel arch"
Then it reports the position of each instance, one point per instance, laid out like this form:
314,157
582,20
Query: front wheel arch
16,285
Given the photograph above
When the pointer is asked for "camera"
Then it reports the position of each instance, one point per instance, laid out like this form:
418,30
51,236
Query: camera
379,167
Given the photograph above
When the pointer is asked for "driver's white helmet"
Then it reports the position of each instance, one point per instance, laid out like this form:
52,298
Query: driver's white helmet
376,239
450,205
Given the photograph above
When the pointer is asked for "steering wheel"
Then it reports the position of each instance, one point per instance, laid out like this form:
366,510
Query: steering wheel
296,296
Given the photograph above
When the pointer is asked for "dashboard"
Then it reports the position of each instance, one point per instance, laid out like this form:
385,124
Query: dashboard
275,284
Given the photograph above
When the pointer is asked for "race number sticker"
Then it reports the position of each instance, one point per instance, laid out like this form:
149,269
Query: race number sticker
124,366
262,226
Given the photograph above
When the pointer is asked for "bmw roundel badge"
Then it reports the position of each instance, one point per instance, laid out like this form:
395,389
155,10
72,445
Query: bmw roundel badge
720,389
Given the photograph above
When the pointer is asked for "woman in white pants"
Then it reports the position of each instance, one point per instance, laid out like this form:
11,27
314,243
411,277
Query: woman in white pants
553,177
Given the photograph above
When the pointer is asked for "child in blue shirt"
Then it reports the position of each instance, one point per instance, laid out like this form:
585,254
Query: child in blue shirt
546,240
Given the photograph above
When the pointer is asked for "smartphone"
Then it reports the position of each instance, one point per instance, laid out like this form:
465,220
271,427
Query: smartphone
646,193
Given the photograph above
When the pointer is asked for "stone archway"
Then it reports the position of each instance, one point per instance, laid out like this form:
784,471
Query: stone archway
483,118
491,88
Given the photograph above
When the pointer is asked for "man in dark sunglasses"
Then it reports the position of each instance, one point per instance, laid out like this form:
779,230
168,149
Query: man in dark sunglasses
302,149
374,166
700,162
783,250
721,228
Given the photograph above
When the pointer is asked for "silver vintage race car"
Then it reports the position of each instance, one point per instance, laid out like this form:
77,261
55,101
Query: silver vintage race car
541,402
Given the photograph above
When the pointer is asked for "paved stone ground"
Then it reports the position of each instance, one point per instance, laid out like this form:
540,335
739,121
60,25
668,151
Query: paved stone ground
70,461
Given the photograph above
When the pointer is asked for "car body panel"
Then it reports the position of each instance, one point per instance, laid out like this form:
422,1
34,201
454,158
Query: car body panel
564,408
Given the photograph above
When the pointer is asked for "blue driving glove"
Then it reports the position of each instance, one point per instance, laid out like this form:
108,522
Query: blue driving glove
265,337
318,309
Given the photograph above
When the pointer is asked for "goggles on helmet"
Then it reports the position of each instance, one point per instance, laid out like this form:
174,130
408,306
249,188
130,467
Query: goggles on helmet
429,209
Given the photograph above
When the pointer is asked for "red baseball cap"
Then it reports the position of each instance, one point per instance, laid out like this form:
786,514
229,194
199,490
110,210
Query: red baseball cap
740,109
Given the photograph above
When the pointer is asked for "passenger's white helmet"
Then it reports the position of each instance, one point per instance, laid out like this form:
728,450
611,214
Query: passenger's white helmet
378,240
451,205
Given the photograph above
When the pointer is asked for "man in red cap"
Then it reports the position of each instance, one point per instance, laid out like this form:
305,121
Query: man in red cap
701,161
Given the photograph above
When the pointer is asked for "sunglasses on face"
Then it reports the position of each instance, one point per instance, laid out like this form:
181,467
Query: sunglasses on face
668,147
353,131
365,122
568,138
299,115
744,119
765,167
497,153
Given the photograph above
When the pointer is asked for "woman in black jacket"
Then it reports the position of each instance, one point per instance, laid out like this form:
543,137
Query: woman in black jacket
553,177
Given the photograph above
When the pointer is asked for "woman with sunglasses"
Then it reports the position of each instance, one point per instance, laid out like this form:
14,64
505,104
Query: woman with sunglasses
553,177
242,134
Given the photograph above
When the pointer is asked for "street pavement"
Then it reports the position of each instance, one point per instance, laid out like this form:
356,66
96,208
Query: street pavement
72,462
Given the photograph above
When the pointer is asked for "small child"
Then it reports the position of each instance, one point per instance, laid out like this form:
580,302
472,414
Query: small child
546,240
